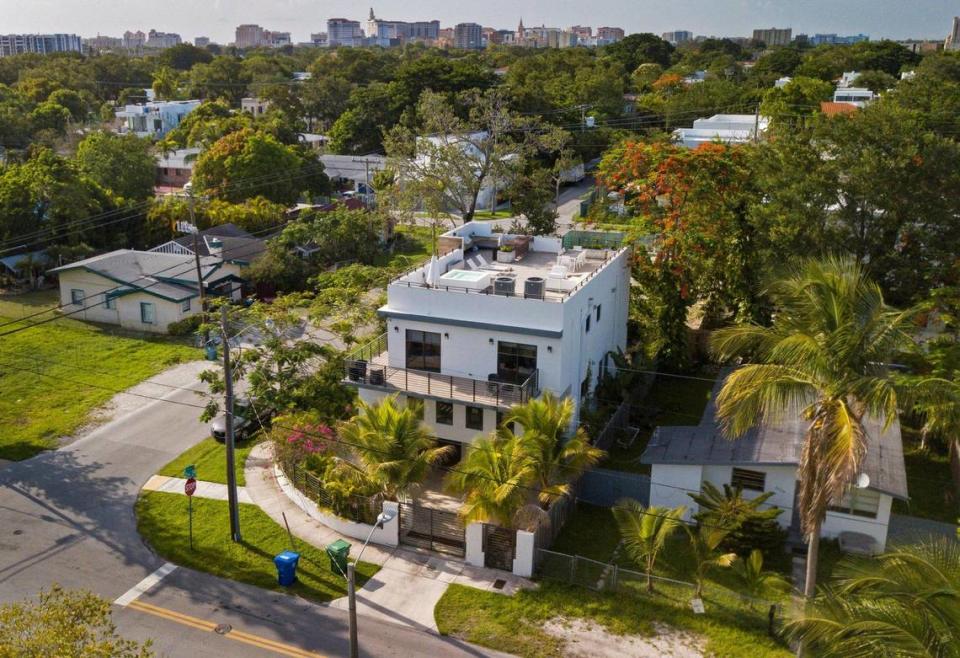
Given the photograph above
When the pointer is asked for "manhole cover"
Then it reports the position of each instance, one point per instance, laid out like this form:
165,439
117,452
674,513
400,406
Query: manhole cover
499,583
222,629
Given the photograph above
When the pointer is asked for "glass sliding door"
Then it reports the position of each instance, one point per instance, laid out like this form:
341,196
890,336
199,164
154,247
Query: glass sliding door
423,350
515,362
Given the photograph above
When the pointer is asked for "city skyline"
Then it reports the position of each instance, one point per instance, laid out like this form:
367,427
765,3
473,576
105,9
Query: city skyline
219,19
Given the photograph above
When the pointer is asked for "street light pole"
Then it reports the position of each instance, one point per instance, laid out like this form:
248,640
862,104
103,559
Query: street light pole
382,518
231,472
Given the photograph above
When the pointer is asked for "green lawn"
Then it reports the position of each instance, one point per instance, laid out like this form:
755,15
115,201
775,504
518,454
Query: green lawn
929,483
499,214
37,409
514,624
671,401
590,531
162,522
210,458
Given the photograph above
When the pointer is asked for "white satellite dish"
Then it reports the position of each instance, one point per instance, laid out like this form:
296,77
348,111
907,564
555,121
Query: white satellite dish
863,481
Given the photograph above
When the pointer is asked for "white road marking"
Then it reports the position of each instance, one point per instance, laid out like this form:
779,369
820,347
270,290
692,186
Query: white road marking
144,585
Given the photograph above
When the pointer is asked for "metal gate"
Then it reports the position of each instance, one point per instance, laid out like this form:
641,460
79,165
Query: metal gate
433,529
499,547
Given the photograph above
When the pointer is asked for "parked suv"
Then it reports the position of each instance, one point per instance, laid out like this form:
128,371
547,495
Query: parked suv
248,414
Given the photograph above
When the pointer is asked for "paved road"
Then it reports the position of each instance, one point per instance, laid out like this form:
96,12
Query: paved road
67,517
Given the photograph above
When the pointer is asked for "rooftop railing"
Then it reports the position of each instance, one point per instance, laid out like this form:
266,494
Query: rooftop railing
367,367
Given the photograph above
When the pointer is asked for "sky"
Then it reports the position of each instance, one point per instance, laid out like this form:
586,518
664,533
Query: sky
898,19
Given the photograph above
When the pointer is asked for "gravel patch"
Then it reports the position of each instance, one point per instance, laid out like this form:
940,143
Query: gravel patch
585,639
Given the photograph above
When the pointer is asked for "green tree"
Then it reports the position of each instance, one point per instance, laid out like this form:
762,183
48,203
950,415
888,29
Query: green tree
755,581
645,531
73,624
51,117
222,78
876,81
360,128
395,448
530,195
184,56
751,524
557,457
905,602
825,357
71,100
705,549
247,163
492,478
122,164
637,49
165,83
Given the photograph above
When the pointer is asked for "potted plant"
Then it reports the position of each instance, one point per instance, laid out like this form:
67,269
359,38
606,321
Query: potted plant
506,254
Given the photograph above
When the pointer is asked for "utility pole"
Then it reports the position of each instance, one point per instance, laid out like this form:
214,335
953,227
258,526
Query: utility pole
231,472
352,597
366,177
196,254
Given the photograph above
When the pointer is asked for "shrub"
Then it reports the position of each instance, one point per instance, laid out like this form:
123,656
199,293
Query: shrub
185,327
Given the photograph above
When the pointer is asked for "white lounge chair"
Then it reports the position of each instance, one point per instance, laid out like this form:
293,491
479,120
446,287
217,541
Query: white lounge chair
484,265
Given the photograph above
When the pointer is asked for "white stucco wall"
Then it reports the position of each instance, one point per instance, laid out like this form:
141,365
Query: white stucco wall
669,485
835,523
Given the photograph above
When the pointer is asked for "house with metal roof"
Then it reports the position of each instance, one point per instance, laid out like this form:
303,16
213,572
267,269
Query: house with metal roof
682,458
228,242
143,290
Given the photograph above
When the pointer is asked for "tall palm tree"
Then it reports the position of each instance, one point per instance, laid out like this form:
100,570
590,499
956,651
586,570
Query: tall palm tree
824,357
904,603
394,447
557,459
645,531
494,479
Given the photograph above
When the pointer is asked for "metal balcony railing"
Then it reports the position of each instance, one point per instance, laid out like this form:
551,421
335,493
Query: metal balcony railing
367,366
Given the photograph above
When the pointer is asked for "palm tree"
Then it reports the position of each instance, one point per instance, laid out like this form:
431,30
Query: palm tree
645,531
903,603
824,357
705,542
755,581
728,508
493,479
394,447
556,459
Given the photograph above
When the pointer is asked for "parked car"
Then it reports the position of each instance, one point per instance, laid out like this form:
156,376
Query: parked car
247,418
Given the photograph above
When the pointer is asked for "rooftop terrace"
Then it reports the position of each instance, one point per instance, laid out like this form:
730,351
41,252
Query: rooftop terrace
475,260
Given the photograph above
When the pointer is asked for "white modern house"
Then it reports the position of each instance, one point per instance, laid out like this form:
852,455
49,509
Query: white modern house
766,459
725,128
495,320
255,106
142,290
856,96
154,118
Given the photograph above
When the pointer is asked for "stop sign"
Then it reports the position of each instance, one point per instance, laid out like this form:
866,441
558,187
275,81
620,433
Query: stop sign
190,486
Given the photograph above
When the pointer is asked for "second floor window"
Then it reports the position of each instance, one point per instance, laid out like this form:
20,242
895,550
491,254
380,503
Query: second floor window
444,413
515,362
423,350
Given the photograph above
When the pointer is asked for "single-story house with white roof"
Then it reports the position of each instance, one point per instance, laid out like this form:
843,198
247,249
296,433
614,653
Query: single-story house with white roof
766,459
143,290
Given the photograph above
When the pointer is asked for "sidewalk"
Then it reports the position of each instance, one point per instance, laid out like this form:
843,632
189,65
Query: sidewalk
409,583
204,489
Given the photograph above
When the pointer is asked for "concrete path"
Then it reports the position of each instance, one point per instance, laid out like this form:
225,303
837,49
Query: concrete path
211,490
409,583
911,529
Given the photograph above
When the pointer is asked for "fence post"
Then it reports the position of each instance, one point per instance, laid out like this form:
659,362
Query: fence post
573,569
613,578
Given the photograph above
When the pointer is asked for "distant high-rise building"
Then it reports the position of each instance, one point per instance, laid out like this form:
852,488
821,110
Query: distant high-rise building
468,36
201,42
15,44
380,32
953,39
161,40
134,40
610,34
774,36
248,36
677,37
836,40
102,43
318,39
344,32
582,32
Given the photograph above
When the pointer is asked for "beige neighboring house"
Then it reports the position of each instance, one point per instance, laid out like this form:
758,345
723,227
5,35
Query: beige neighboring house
142,290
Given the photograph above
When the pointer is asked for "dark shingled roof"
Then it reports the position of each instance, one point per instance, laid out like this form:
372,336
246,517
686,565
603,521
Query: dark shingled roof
772,444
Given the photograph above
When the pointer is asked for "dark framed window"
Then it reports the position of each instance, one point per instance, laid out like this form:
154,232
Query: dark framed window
585,387
474,418
109,302
423,350
147,313
500,418
747,479
76,297
598,312
588,324
858,502
515,362
444,413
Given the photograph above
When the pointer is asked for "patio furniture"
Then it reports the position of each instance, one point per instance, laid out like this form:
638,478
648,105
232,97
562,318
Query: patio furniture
357,372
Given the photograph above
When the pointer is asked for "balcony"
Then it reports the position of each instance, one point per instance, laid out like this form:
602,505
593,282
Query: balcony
368,366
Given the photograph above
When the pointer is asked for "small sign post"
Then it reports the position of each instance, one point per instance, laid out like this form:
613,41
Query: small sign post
189,488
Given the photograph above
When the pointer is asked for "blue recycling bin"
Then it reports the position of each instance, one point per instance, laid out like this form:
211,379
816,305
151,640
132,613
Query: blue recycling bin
287,567
211,352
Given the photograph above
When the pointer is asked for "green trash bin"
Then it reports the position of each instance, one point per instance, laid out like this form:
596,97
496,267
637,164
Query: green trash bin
339,551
